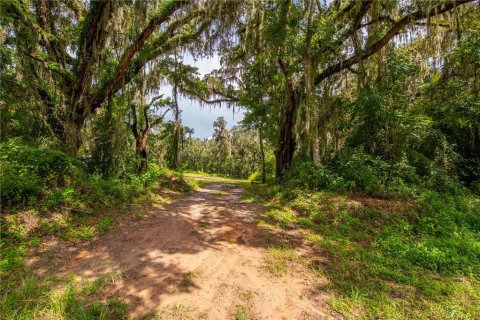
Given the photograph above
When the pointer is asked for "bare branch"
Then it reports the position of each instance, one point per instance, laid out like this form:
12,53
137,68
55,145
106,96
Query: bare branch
159,120
154,99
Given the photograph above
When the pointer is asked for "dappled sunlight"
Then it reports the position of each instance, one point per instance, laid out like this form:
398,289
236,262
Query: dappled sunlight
176,251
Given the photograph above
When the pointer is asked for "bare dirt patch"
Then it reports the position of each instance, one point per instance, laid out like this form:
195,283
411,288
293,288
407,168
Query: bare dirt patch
202,256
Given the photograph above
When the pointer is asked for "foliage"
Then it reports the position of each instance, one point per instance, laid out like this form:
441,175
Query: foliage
28,173
44,184
233,153
341,99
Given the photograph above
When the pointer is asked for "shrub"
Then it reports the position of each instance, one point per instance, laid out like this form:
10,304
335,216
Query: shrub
51,178
28,172
444,183
255,177
365,172
309,175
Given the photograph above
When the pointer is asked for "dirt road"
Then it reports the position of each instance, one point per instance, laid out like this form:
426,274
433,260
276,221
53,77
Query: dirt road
201,257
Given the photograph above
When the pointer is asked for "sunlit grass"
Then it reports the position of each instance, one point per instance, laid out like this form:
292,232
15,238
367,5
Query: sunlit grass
36,298
175,311
381,263
278,260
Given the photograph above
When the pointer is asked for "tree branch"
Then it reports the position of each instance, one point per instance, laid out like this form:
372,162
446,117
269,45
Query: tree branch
168,9
154,99
68,78
159,119
217,101
165,41
43,12
375,47
92,40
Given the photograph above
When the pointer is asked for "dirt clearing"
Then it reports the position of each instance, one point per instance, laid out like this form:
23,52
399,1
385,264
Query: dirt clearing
201,257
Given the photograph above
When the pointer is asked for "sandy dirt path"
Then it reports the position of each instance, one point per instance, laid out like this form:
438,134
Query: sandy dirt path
200,257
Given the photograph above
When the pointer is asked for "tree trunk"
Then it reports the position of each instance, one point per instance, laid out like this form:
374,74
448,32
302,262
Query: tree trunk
4,122
287,142
72,135
316,148
176,144
142,154
262,153
176,130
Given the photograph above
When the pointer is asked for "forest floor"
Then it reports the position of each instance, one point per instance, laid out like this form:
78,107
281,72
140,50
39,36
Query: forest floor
203,256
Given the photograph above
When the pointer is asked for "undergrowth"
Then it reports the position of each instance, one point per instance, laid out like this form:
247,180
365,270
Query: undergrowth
47,193
391,259
34,298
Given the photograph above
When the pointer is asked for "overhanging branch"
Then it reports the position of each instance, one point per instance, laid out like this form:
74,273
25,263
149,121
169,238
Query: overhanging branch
375,47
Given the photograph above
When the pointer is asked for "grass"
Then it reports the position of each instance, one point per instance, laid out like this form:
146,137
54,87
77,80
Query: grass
241,313
35,298
203,224
175,311
188,279
199,180
197,183
281,217
388,259
278,260
105,225
247,295
26,296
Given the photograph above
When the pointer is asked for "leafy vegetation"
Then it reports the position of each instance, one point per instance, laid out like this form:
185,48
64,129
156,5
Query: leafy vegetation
384,258
32,299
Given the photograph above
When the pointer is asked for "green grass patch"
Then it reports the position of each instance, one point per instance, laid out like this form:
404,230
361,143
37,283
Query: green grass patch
278,260
283,218
188,279
105,225
33,298
175,311
419,259
241,313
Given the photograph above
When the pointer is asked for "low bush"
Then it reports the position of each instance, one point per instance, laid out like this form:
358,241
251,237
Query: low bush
309,175
28,173
46,178
358,171
255,177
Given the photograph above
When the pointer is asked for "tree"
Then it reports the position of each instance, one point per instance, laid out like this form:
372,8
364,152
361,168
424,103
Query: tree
221,137
142,129
315,45
74,73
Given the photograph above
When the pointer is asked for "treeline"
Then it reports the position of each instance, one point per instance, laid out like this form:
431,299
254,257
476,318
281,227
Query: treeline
234,153
357,95
368,103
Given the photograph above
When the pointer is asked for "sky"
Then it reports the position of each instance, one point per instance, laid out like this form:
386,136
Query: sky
198,117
